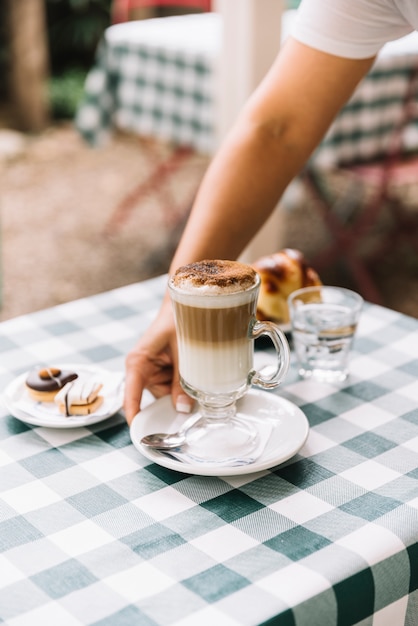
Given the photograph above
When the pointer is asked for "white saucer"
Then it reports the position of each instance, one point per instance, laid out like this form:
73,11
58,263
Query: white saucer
17,400
289,431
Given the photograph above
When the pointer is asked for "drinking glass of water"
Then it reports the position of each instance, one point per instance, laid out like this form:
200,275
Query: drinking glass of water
324,320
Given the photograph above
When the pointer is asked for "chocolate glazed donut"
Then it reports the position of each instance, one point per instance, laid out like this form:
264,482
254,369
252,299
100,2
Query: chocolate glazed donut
43,384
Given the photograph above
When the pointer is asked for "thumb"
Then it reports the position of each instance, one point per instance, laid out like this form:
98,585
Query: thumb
181,401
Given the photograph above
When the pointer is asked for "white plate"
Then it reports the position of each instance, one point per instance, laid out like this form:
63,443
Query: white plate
289,432
17,400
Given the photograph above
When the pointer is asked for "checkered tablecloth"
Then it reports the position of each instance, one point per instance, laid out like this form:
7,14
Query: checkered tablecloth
158,78
155,78
364,128
92,533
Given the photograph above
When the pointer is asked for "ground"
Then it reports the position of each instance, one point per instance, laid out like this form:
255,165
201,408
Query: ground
59,197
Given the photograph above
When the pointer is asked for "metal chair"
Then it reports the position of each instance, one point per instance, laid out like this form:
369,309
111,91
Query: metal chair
370,206
173,57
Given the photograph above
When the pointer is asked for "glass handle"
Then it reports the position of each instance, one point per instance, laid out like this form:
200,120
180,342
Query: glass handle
281,346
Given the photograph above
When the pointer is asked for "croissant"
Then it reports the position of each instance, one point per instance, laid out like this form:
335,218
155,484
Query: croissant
281,273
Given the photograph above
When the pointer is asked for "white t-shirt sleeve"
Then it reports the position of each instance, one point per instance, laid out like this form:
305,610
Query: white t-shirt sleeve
349,28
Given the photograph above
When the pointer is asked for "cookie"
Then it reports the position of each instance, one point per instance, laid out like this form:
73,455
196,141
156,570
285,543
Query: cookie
43,384
80,396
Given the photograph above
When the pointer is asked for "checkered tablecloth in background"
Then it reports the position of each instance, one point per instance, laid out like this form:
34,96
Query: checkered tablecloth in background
158,78
155,78
92,533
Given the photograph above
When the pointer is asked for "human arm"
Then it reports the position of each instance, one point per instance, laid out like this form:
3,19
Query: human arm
277,130
271,140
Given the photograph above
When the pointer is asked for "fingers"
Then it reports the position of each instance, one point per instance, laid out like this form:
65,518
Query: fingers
149,365
153,365
181,401
134,386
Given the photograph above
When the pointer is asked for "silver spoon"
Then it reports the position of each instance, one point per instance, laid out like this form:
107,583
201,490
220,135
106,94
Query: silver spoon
168,441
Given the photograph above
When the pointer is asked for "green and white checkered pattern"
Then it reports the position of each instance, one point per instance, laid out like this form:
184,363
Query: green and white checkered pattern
169,92
141,85
364,129
92,533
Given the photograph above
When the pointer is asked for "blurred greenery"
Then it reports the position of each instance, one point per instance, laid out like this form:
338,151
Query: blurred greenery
65,92
74,30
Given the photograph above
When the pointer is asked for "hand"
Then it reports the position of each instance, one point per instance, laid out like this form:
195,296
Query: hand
153,365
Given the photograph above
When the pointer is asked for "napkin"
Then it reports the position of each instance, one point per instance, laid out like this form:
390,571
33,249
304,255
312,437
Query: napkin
185,454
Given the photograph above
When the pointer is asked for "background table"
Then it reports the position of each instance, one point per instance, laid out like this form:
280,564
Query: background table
155,78
169,91
92,533
363,129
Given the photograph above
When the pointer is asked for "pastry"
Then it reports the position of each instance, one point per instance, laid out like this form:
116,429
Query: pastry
281,273
44,383
80,397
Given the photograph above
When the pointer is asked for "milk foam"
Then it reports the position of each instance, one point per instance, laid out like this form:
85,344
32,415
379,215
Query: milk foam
187,285
210,300
214,277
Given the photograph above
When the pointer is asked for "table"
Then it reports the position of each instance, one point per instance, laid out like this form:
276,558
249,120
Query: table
169,91
363,129
91,533
154,78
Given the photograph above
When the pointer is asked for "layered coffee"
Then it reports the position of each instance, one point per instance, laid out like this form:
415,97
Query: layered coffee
215,304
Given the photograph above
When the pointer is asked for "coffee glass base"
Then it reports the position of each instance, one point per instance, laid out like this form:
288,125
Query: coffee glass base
220,441
221,434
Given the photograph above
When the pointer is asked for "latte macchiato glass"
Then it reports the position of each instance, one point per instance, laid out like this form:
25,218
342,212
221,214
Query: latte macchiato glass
215,306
